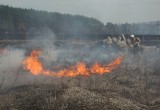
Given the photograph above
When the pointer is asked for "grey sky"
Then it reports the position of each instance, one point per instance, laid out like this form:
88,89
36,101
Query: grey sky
116,11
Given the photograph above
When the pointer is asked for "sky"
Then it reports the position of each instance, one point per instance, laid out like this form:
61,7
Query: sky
115,11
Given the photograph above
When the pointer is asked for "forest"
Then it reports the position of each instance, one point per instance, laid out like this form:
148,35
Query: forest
18,22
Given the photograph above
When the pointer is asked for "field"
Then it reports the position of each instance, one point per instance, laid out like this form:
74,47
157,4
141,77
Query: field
133,85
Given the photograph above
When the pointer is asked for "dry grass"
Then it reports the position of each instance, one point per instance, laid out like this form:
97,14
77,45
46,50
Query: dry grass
127,88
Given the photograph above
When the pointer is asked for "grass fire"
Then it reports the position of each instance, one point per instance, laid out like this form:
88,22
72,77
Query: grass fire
74,76
34,65
58,61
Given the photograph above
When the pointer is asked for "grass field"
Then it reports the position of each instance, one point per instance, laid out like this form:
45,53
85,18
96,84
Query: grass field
135,85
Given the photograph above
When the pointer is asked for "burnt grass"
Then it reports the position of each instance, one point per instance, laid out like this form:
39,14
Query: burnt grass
126,88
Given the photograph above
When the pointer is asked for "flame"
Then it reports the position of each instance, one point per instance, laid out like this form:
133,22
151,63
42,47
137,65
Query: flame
34,66
72,71
32,63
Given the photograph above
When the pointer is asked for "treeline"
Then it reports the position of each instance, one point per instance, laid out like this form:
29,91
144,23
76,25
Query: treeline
145,28
17,20
32,22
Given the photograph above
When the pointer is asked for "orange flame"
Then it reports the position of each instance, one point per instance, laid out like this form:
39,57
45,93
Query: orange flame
34,66
32,63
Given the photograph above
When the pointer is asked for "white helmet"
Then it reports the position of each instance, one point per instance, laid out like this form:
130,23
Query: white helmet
132,36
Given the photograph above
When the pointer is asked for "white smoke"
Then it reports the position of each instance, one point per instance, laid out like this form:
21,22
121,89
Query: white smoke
10,63
59,53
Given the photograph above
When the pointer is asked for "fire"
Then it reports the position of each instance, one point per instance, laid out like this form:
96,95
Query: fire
34,66
79,69
32,63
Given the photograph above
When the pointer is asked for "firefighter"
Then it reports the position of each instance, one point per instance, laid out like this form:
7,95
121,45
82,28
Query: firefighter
121,42
135,41
114,39
107,43
108,40
135,44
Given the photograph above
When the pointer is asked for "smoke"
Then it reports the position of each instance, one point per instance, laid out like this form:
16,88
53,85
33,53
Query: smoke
10,63
12,73
62,53
68,52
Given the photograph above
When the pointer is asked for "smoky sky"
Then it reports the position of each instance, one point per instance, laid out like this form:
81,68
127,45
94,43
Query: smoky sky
116,11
